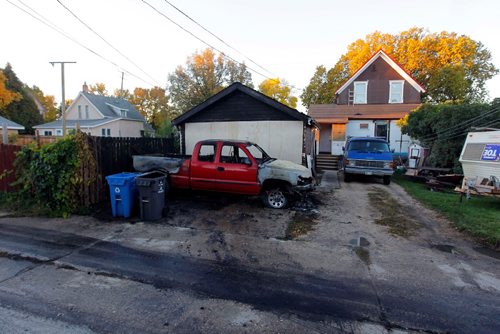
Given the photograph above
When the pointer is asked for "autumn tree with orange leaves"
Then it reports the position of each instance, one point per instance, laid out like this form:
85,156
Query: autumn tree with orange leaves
204,74
452,67
279,90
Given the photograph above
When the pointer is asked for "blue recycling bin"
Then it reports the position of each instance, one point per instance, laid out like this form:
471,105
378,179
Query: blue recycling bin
123,193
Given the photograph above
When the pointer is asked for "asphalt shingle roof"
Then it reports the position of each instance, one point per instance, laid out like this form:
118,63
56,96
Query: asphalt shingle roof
330,112
102,103
10,124
71,123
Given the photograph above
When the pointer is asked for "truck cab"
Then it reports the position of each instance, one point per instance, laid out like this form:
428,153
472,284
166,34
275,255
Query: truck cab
367,156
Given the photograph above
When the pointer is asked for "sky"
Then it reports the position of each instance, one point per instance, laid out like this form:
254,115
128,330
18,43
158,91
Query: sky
287,38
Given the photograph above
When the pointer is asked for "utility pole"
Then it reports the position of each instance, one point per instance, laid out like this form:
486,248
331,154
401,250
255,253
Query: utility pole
63,103
121,87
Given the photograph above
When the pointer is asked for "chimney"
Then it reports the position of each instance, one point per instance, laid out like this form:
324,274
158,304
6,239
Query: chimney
85,88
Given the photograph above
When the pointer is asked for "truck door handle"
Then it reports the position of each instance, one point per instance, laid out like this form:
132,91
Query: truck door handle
220,169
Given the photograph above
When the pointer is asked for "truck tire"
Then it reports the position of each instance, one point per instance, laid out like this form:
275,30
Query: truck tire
275,198
387,180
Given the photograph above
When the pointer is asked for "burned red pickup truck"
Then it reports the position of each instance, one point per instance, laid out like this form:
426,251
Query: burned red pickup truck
232,166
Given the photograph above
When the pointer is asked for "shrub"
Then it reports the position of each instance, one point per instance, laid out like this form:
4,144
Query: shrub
51,175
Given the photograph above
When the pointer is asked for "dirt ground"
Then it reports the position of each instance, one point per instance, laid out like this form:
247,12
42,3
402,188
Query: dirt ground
362,256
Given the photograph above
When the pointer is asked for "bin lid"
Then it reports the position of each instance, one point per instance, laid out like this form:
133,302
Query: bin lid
121,178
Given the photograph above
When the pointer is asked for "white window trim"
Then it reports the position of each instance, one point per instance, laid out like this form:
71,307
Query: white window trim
366,91
402,90
58,132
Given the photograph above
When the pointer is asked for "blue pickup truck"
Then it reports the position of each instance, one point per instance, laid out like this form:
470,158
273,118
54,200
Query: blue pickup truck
367,156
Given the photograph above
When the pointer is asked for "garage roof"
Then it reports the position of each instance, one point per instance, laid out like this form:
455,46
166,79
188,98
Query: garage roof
240,103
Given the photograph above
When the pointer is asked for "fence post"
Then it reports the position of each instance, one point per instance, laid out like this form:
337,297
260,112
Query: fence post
5,137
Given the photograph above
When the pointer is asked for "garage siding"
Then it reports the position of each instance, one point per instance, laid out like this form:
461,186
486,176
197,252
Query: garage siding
280,139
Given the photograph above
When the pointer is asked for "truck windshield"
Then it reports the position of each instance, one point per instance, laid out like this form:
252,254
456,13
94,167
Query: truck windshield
258,153
369,146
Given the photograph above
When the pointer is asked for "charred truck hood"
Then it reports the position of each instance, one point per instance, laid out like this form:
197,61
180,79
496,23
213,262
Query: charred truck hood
297,175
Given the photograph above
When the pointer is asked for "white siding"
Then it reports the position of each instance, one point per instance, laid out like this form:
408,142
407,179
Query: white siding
354,129
395,137
72,111
280,139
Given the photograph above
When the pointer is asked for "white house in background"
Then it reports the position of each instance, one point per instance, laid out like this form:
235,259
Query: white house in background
98,115
369,103
12,127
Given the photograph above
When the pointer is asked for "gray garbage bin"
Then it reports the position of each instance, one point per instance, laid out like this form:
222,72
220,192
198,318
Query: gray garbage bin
152,187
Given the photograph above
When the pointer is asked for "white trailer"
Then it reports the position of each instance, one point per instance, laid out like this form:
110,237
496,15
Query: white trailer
480,160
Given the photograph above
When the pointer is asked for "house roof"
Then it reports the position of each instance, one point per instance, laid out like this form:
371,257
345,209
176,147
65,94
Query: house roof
293,113
71,123
341,113
108,104
10,124
389,60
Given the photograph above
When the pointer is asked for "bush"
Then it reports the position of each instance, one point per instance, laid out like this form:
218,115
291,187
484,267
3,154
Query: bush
444,127
51,175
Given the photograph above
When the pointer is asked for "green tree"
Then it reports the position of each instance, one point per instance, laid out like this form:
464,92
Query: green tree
443,127
445,55
204,75
279,90
24,110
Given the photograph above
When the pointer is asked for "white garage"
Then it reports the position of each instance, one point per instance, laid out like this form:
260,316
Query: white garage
239,112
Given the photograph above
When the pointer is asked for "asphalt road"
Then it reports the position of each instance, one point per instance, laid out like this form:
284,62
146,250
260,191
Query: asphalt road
94,280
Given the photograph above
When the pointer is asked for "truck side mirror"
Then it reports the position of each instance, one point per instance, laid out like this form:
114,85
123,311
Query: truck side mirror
343,148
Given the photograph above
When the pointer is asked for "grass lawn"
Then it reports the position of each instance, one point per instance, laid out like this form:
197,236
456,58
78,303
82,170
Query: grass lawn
479,216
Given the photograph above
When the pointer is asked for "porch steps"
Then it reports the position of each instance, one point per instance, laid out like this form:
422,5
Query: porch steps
327,161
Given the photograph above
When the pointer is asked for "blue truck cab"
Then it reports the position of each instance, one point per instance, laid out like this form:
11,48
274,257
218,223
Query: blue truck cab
367,156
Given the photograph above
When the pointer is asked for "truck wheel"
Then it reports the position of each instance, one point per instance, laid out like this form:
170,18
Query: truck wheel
347,177
275,198
387,180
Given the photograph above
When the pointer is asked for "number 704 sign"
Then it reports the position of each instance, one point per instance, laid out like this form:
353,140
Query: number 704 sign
491,152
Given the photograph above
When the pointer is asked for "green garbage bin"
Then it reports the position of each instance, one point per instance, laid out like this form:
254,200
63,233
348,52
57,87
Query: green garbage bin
152,187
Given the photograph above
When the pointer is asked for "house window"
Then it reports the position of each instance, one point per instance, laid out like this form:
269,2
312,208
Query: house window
123,113
87,113
79,112
109,132
396,91
103,132
360,92
363,125
47,133
58,132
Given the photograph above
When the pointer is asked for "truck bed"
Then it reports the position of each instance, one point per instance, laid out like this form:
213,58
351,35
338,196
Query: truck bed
170,164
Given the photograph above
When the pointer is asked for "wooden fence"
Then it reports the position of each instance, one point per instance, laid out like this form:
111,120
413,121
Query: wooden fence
22,140
114,155
7,173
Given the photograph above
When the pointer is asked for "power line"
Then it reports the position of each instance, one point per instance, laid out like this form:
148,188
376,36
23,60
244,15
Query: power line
464,132
217,37
54,27
206,43
105,41
457,127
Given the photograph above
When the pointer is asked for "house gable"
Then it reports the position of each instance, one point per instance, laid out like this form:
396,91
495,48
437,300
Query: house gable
239,103
379,71
83,102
